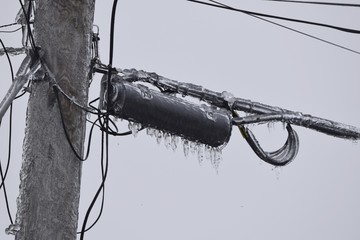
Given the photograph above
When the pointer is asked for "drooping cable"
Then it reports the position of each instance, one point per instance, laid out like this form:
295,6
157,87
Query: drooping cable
4,174
66,132
10,31
10,117
348,30
297,31
318,3
106,123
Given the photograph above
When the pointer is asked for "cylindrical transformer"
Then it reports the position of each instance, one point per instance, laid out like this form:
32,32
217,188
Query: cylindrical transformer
153,109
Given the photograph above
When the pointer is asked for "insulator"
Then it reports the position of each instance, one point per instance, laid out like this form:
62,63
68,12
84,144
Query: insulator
154,109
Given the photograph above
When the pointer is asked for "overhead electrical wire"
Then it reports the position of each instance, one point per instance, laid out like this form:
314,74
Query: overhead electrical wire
348,30
297,31
221,5
318,3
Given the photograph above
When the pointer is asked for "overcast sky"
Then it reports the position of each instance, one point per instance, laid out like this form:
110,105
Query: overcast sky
155,193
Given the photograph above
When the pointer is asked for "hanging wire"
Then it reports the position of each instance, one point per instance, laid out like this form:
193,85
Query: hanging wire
10,117
4,174
318,3
105,160
66,132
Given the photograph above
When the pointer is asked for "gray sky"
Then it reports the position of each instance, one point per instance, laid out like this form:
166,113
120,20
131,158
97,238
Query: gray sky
154,193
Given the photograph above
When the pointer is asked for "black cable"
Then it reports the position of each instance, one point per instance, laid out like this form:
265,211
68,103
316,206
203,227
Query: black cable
297,31
104,171
32,41
5,195
11,31
10,117
9,60
8,25
294,30
318,3
101,187
66,132
348,30
2,175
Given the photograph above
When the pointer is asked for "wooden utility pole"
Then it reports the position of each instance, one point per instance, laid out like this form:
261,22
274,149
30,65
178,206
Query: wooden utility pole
50,175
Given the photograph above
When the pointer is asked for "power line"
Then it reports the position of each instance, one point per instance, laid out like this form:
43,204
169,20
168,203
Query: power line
288,28
318,3
297,31
348,30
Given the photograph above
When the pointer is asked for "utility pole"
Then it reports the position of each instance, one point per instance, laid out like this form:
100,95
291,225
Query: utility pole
50,175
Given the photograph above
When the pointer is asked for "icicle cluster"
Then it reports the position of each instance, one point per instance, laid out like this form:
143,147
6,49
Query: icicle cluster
203,152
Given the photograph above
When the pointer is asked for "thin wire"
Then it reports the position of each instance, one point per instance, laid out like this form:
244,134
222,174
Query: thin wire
8,25
5,195
101,187
66,132
10,118
11,31
106,122
318,3
297,31
32,41
2,175
348,30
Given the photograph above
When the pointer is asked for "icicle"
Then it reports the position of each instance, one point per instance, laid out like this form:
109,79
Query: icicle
134,128
167,140
193,147
186,147
216,157
207,152
150,132
158,135
200,153
270,125
174,142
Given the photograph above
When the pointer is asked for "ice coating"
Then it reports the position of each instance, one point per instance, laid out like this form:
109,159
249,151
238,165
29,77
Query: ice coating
153,109
12,229
13,51
266,112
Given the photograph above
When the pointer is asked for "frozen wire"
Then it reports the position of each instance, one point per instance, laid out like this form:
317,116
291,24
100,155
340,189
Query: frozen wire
348,30
297,31
10,118
66,132
319,3
27,17
2,174
8,25
11,31
104,144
